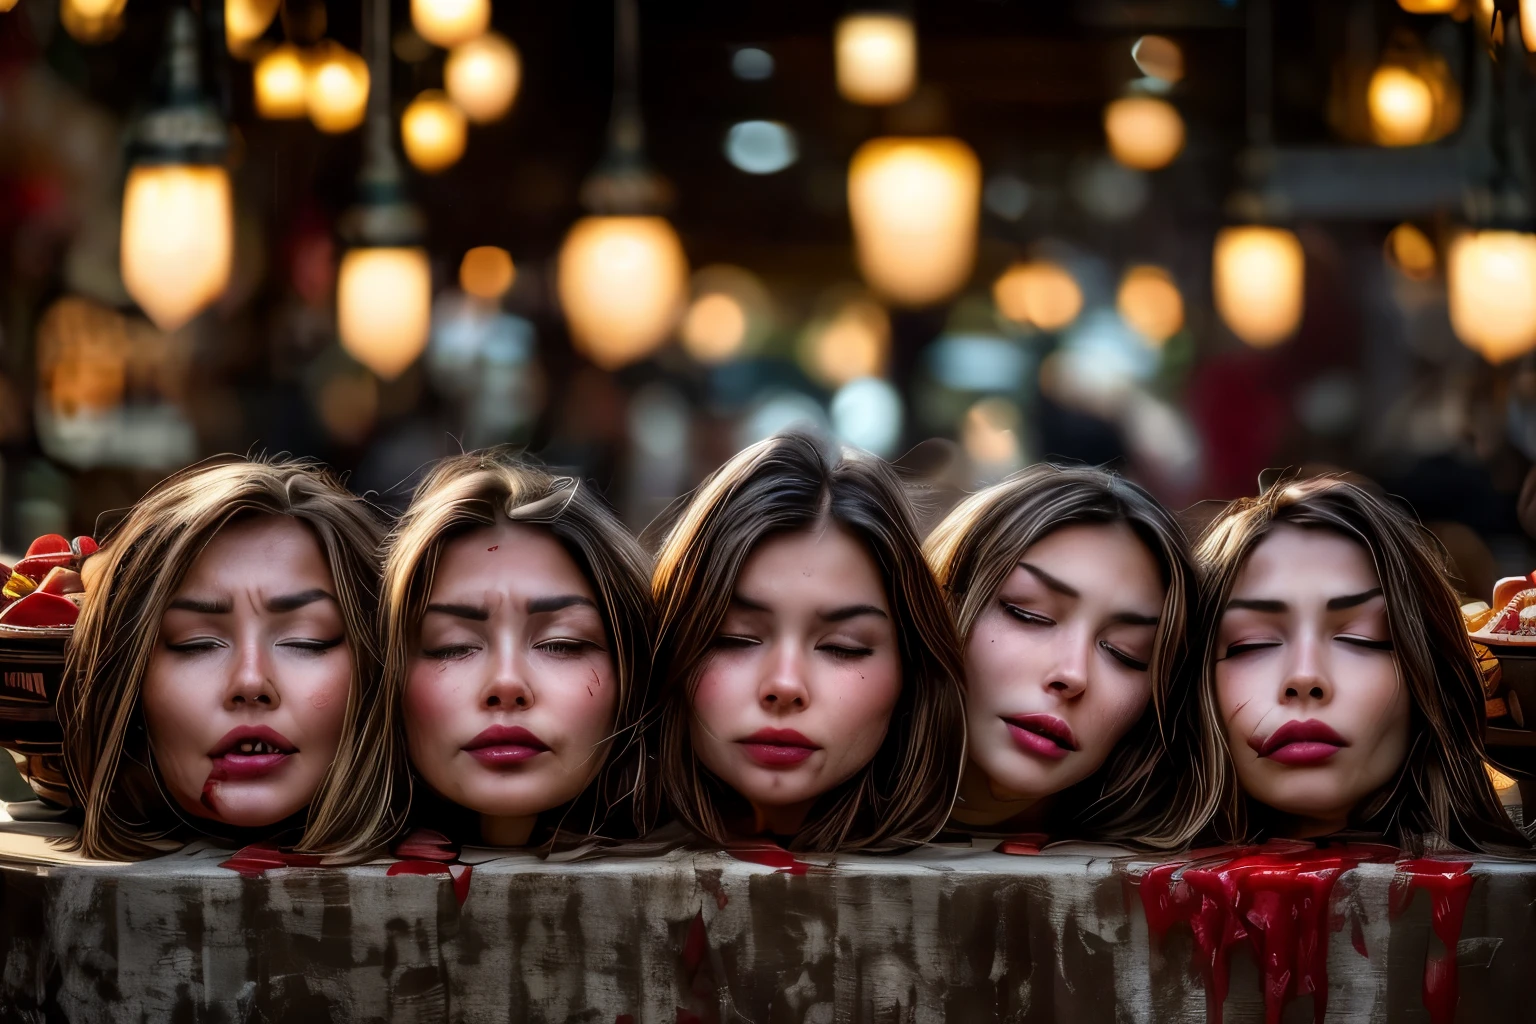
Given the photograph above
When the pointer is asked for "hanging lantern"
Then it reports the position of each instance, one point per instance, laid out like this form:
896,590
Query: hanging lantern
622,274
336,89
448,23
246,21
914,203
1491,278
384,306
1150,304
482,77
876,58
433,131
1258,282
1402,107
622,283
384,285
1039,292
178,219
92,21
280,82
1144,132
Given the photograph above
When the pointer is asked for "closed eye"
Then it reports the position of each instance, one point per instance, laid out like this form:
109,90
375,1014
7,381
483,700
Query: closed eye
1366,642
449,652
1253,645
311,646
732,641
1122,657
1033,618
841,652
565,647
196,645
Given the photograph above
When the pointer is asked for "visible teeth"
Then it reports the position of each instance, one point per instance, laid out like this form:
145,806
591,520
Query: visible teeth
255,747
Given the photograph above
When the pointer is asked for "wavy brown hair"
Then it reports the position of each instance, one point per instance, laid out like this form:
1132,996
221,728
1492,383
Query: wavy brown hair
1442,790
1153,789
144,559
480,489
785,484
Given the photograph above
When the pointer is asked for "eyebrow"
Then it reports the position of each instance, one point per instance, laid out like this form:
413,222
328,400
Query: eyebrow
1257,605
202,607
293,602
1050,581
1336,604
843,614
1135,619
461,611
539,605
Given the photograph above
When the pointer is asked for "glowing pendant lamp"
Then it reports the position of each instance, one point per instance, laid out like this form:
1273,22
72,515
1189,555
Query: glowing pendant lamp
178,217
384,286
876,57
1258,278
622,275
914,204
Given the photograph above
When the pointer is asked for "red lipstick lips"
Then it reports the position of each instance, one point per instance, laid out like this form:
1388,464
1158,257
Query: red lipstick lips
505,745
1299,744
250,752
1043,735
778,748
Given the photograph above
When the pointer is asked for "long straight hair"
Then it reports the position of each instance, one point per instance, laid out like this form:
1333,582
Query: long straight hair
1442,789
1153,789
482,489
784,484
107,755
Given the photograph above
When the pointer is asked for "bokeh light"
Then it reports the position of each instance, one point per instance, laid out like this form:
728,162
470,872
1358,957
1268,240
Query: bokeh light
1040,292
486,272
1150,303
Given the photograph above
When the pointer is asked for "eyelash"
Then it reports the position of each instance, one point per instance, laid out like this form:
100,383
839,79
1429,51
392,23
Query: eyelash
1032,618
452,652
1123,658
566,648
1036,619
1354,641
308,646
729,641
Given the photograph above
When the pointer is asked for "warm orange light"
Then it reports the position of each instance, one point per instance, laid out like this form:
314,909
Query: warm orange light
714,327
384,307
336,90
1411,252
1144,132
433,132
92,21
1150,303
1429,6
1500,781
990,434
280,82
914,203
1041,293
1258,279
1528,24
448,23
177,239
482,77
486,272
1491,279
876,58
1402,107
245,21
1159,57
622,283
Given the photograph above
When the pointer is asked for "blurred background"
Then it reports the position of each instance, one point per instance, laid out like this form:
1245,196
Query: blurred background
1191,239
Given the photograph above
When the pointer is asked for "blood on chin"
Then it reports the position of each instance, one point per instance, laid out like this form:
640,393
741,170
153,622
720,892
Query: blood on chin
248,804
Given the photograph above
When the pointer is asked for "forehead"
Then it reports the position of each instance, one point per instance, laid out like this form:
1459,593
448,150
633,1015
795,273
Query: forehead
512,558
1300,561
1096,557
260,550
825,564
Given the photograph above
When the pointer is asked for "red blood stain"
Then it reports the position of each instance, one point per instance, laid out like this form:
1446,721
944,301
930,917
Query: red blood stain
425,844
460,873
1276,897
773,857
218,774
1357,939
696,945
1449,887
624,1018
688,1017
1026,845
255,860
493,547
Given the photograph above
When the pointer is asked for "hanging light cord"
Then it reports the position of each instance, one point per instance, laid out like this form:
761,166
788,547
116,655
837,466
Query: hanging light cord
626,131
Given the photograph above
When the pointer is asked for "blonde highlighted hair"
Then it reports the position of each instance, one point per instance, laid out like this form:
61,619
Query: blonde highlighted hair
145,558
481,489
786,483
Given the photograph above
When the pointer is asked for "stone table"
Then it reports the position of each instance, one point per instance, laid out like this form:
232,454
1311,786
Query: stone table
944,933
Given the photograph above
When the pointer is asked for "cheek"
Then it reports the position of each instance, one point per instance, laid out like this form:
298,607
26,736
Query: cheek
583,698
1236,696
176,705
722,693
323,706
1122,701
435,696
995,661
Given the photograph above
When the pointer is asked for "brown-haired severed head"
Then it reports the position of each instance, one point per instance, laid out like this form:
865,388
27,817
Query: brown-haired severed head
222,678
1338,674
517,638
809,674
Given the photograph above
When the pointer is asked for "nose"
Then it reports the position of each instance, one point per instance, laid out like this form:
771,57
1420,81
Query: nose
1307,679
1068,674
784,686
252,683
508,686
